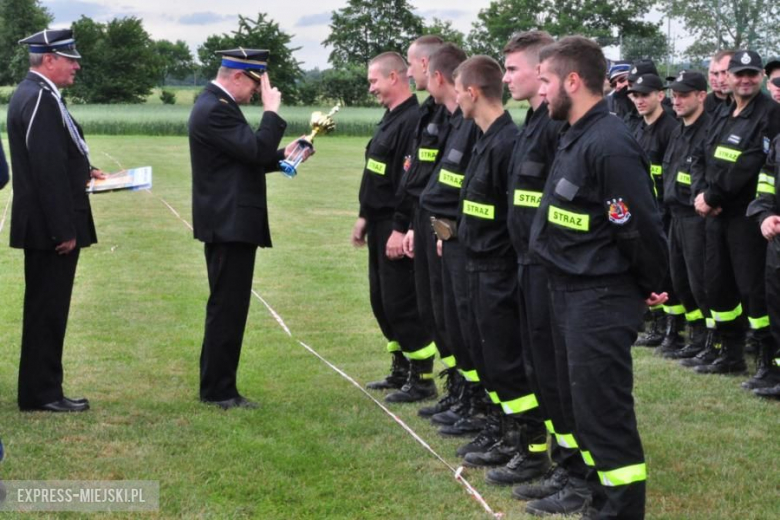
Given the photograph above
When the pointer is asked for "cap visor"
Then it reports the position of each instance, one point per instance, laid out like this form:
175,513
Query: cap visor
746,67
680,87
73,54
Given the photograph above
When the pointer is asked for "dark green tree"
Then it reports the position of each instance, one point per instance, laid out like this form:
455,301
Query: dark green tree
655,47
119,63
444,29
605,20
347,85
310,87
262,33
176,60
732,24
366,28
18,19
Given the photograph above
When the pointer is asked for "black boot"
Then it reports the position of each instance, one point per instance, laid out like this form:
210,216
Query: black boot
552,482
768,373
575,497
731,359
697,337
525,465
453,387
487,437
711,351
419,386
770,393
655,335
472,420
399,373
672,341
460,409
502,451
751,343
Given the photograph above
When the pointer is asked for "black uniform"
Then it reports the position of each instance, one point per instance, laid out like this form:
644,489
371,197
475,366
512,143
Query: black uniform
490,264
391,282
4,178
686,232
441,199
713,104
429,138
767,204
229,211
598,232
726,170
50,206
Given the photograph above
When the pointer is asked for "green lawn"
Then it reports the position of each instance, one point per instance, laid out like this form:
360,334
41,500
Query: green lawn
317,447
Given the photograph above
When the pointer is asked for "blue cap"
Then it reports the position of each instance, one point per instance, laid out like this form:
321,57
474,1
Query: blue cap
617,68
251,61
57,41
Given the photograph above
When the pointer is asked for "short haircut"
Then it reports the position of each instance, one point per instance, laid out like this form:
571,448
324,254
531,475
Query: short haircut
530,42
36,59
580,55
445,60
723,53
484,73
427,45
389,62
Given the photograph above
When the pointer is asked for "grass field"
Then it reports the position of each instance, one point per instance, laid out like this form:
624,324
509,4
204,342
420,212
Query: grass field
317,447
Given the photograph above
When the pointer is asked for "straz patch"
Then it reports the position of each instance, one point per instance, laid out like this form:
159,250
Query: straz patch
734,139
618,211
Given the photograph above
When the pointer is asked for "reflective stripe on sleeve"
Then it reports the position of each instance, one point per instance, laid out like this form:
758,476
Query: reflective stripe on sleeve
727,154
588,458
520,405
624,476
758,323
376,167
451,179
727,315
674,310
393,346
528,199
694,315
427,154
475,209
424,353
566,440
684,178
568,219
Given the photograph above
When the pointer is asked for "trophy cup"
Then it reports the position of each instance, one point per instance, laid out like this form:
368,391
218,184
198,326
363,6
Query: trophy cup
320,124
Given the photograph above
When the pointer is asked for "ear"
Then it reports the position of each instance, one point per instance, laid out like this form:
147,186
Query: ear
572,82
424,64
473,93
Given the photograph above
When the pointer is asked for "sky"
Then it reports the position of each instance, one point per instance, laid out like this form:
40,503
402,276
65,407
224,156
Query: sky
194,20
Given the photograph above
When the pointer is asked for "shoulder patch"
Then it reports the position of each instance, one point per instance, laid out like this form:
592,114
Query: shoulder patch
618,211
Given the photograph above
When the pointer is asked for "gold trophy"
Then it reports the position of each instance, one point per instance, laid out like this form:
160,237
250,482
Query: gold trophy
320,124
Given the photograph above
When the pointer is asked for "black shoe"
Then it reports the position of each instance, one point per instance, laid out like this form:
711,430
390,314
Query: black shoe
451,416
483,441
575,497
468,425
77,400
399,373
552,482
672,339
708,355
771,393
688,351
63,405
523,467
419,386
763,378
234,402
723,365
655,335
752,345
498,454
454,389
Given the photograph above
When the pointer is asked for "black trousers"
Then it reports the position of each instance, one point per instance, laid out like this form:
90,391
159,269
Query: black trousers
546,366
734,274
494,330
686,262
773,297
48,279
231,267
674,304
455,299
392,292
597,322
428,282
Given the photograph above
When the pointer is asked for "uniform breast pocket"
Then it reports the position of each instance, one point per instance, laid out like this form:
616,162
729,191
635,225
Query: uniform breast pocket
378,158
530,169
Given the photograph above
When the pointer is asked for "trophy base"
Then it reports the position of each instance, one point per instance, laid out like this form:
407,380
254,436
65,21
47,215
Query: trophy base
288,169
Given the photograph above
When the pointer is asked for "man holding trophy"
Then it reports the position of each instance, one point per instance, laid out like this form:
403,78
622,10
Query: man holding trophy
229,163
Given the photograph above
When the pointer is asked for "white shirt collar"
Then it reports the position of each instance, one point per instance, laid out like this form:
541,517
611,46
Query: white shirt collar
48,81
224,90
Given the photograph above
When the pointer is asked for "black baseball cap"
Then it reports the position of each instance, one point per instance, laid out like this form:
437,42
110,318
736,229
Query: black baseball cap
772,64
642,67
688,81
647,83
745,60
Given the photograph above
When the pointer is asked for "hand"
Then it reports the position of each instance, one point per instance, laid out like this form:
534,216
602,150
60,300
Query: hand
408,243
395,246
439,245
97,174
704,209
656,299
308,151
770,227
358,238
66,247
270,96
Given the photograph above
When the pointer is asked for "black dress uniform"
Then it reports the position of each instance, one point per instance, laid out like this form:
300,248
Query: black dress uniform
441,199
50,206
598,232
547,369
230,215
429,138
726,171
492,281
767,204
391,282
686,231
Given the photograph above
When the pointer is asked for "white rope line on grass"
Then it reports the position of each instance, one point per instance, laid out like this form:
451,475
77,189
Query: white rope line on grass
457,472
5,211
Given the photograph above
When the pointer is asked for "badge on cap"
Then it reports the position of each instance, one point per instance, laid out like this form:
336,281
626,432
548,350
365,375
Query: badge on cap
618,211
640,80
745,59
634,70
681,76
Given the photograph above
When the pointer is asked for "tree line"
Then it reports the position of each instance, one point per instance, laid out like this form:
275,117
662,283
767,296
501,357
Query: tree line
122,63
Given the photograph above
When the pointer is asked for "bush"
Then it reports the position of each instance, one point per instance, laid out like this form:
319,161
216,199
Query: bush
168,97
5,96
